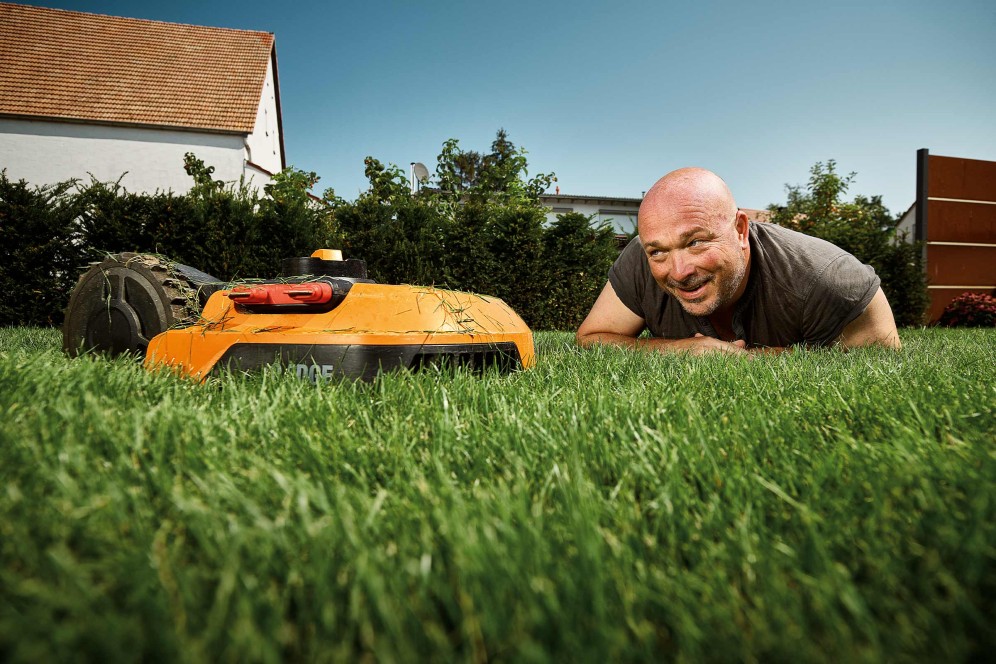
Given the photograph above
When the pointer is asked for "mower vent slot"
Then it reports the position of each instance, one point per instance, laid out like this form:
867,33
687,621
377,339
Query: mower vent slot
476,357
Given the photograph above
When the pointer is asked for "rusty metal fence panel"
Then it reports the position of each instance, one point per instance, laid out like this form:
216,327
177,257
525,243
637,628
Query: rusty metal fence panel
956,218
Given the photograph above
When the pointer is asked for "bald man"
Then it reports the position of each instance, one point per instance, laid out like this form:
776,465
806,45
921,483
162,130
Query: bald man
703,278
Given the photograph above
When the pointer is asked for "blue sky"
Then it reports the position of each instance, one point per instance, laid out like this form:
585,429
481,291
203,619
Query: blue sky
612,95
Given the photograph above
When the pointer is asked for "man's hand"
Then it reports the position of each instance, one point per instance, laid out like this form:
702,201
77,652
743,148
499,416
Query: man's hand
701,344
611,322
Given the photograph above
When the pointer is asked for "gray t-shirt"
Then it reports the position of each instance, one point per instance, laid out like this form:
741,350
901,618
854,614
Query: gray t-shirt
801,290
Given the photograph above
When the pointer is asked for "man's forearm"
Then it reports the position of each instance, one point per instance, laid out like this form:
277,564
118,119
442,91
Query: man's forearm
694,345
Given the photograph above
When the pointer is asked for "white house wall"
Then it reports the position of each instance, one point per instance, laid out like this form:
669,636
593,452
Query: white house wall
43,152
263,145
906,227
623,221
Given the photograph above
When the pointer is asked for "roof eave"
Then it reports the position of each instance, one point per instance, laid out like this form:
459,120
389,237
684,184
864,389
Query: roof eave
276,98
130,125
590,199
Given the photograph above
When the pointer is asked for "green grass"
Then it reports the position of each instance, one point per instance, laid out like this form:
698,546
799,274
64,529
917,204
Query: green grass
605,506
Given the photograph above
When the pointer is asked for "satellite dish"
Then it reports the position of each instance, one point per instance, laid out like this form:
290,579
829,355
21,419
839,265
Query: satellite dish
421,172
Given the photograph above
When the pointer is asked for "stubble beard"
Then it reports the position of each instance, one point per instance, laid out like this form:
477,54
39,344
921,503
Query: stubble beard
726,289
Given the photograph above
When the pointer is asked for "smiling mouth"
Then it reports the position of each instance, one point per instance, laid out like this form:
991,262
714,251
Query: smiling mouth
690,290
693,294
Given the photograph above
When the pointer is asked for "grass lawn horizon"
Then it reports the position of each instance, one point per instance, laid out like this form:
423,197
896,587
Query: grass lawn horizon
606,505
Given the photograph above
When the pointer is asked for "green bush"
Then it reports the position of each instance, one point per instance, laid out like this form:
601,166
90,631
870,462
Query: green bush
514,238
39,251
482,229
225,229
400,236
578,257
48,233
112,218
864,228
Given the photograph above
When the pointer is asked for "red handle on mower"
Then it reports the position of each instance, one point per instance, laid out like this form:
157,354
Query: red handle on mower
318,292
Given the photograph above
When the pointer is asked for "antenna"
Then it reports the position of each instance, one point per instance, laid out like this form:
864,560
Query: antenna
419,174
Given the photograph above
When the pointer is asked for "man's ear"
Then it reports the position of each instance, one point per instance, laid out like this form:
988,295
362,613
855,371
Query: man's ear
743,229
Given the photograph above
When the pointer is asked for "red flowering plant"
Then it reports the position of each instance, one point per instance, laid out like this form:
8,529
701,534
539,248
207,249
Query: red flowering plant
970,310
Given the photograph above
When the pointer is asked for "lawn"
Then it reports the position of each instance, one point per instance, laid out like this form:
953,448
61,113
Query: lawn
604,506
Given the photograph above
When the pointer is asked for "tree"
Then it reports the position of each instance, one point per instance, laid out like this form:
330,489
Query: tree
865,228
479,227
497,177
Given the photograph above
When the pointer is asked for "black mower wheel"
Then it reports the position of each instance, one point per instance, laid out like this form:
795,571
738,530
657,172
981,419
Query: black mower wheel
120,303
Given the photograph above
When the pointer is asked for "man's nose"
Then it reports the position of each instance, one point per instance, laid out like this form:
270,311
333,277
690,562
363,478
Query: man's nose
681,267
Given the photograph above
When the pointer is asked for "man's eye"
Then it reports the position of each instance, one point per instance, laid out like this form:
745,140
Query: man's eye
657,253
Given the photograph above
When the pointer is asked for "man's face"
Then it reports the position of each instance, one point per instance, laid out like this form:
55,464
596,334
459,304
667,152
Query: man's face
699,257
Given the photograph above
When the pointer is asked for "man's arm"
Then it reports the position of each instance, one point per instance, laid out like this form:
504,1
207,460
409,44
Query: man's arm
874,327
611,322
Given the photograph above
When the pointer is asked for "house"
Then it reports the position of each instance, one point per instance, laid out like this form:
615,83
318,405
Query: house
620,213
127,98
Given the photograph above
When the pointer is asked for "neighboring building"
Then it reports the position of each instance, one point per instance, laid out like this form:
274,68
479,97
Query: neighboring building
620,213
906,228
86,93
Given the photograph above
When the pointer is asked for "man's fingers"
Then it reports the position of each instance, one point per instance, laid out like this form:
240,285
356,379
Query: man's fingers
701,344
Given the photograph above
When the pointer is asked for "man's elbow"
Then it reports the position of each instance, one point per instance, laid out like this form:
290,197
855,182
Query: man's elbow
885,340
585,338
882,336
876,326
891,340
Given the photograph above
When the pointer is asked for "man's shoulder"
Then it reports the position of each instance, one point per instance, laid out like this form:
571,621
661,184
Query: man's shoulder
629,276
773,235
782,249
819,286
632,262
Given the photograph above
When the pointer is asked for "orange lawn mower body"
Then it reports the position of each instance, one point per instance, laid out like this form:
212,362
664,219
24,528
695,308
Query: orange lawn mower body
323,320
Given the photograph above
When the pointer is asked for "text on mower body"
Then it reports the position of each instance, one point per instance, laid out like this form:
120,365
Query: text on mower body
314,372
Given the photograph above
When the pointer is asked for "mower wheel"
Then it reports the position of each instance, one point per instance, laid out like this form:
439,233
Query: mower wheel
120,303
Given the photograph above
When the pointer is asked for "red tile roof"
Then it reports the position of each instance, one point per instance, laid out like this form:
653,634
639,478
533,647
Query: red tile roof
89,67
757,215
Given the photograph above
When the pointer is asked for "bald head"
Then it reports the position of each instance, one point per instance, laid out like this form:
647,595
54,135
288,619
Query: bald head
696,240
687,193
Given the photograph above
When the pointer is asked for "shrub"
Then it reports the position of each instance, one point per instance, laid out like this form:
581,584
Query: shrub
400,236
970,310
513,235
112,219
48,233
225,229
482,229
39,251
864,228
578,257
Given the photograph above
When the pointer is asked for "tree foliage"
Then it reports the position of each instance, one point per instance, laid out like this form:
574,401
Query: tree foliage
39,250
497,177
865,228
226,229
479,227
